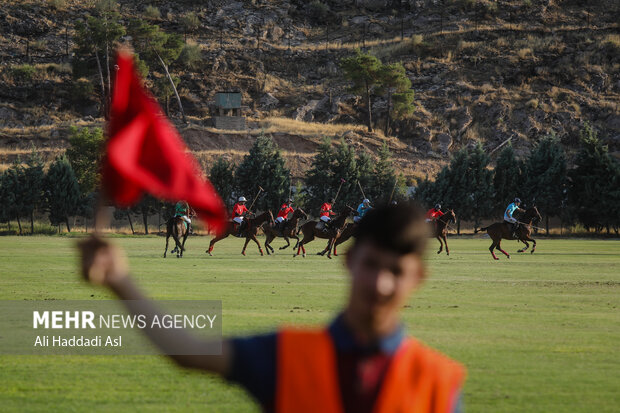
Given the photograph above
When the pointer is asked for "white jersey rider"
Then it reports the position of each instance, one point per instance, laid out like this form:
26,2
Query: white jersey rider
510,219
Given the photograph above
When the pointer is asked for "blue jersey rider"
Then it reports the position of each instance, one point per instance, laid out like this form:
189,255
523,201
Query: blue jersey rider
361,210
510,219
181,210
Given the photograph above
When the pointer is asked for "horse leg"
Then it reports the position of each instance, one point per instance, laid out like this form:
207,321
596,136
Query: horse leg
330,243
491,248
258,244
499,247
166,249
247,239
445,241
213,241
326,248
524,248
440,244
271,238
288,243
183,244
267,246
533,242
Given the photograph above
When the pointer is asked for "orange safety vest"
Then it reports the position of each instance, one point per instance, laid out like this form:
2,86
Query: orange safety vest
418,379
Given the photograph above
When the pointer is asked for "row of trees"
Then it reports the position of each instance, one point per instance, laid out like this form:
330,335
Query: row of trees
336,171
589,193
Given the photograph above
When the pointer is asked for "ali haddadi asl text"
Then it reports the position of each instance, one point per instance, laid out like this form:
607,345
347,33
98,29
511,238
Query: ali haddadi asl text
78,341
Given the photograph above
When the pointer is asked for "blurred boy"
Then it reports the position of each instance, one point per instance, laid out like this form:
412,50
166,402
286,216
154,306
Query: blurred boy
361,362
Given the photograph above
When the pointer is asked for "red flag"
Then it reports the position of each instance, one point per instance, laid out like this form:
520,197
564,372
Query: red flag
145,154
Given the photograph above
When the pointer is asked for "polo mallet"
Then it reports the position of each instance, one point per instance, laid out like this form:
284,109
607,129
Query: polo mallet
361,189
260,189
290,182
342,181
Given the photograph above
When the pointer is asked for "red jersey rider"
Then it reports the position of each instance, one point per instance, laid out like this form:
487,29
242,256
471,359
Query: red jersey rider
326,212
239,212
434,213
285,210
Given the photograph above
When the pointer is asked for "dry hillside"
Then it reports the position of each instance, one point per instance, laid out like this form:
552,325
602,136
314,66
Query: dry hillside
482,70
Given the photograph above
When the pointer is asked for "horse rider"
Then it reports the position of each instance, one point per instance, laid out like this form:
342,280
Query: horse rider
285,210
181,209
326,213
239,212
511,209
434,213
361,210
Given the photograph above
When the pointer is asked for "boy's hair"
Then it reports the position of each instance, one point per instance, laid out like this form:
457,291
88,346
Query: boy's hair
398,228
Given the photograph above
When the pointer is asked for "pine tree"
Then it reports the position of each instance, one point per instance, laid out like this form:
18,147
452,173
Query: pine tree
84,154
507,179
96,37
62,192
222,178
13,189
594,192
33,186
546,176
345,167
264,167
158,49
364,71
480,187
319,177
386,185
397,87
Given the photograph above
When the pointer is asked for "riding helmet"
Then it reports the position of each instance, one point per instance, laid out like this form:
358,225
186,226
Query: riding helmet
517,200
437,206
242,199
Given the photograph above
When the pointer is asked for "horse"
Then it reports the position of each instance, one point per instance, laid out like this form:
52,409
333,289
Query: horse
440,229
176,228
310,231
345,234
249,232
503,230
288,231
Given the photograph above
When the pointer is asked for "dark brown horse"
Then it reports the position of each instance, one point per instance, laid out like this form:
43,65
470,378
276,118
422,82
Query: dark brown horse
176,228
503,230
439,229
249,232
310,231
288,231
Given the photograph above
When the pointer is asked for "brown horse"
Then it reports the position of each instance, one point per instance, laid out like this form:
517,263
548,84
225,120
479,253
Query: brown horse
439,229
503,230
249,232
310,231
345,234
288,231
176,228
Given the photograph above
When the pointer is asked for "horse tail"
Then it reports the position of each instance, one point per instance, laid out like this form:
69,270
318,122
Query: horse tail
480,229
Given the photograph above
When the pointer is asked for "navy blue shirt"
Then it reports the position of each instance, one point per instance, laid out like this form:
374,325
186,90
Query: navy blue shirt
255,358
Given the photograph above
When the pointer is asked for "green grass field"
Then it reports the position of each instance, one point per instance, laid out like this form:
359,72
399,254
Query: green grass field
538,333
